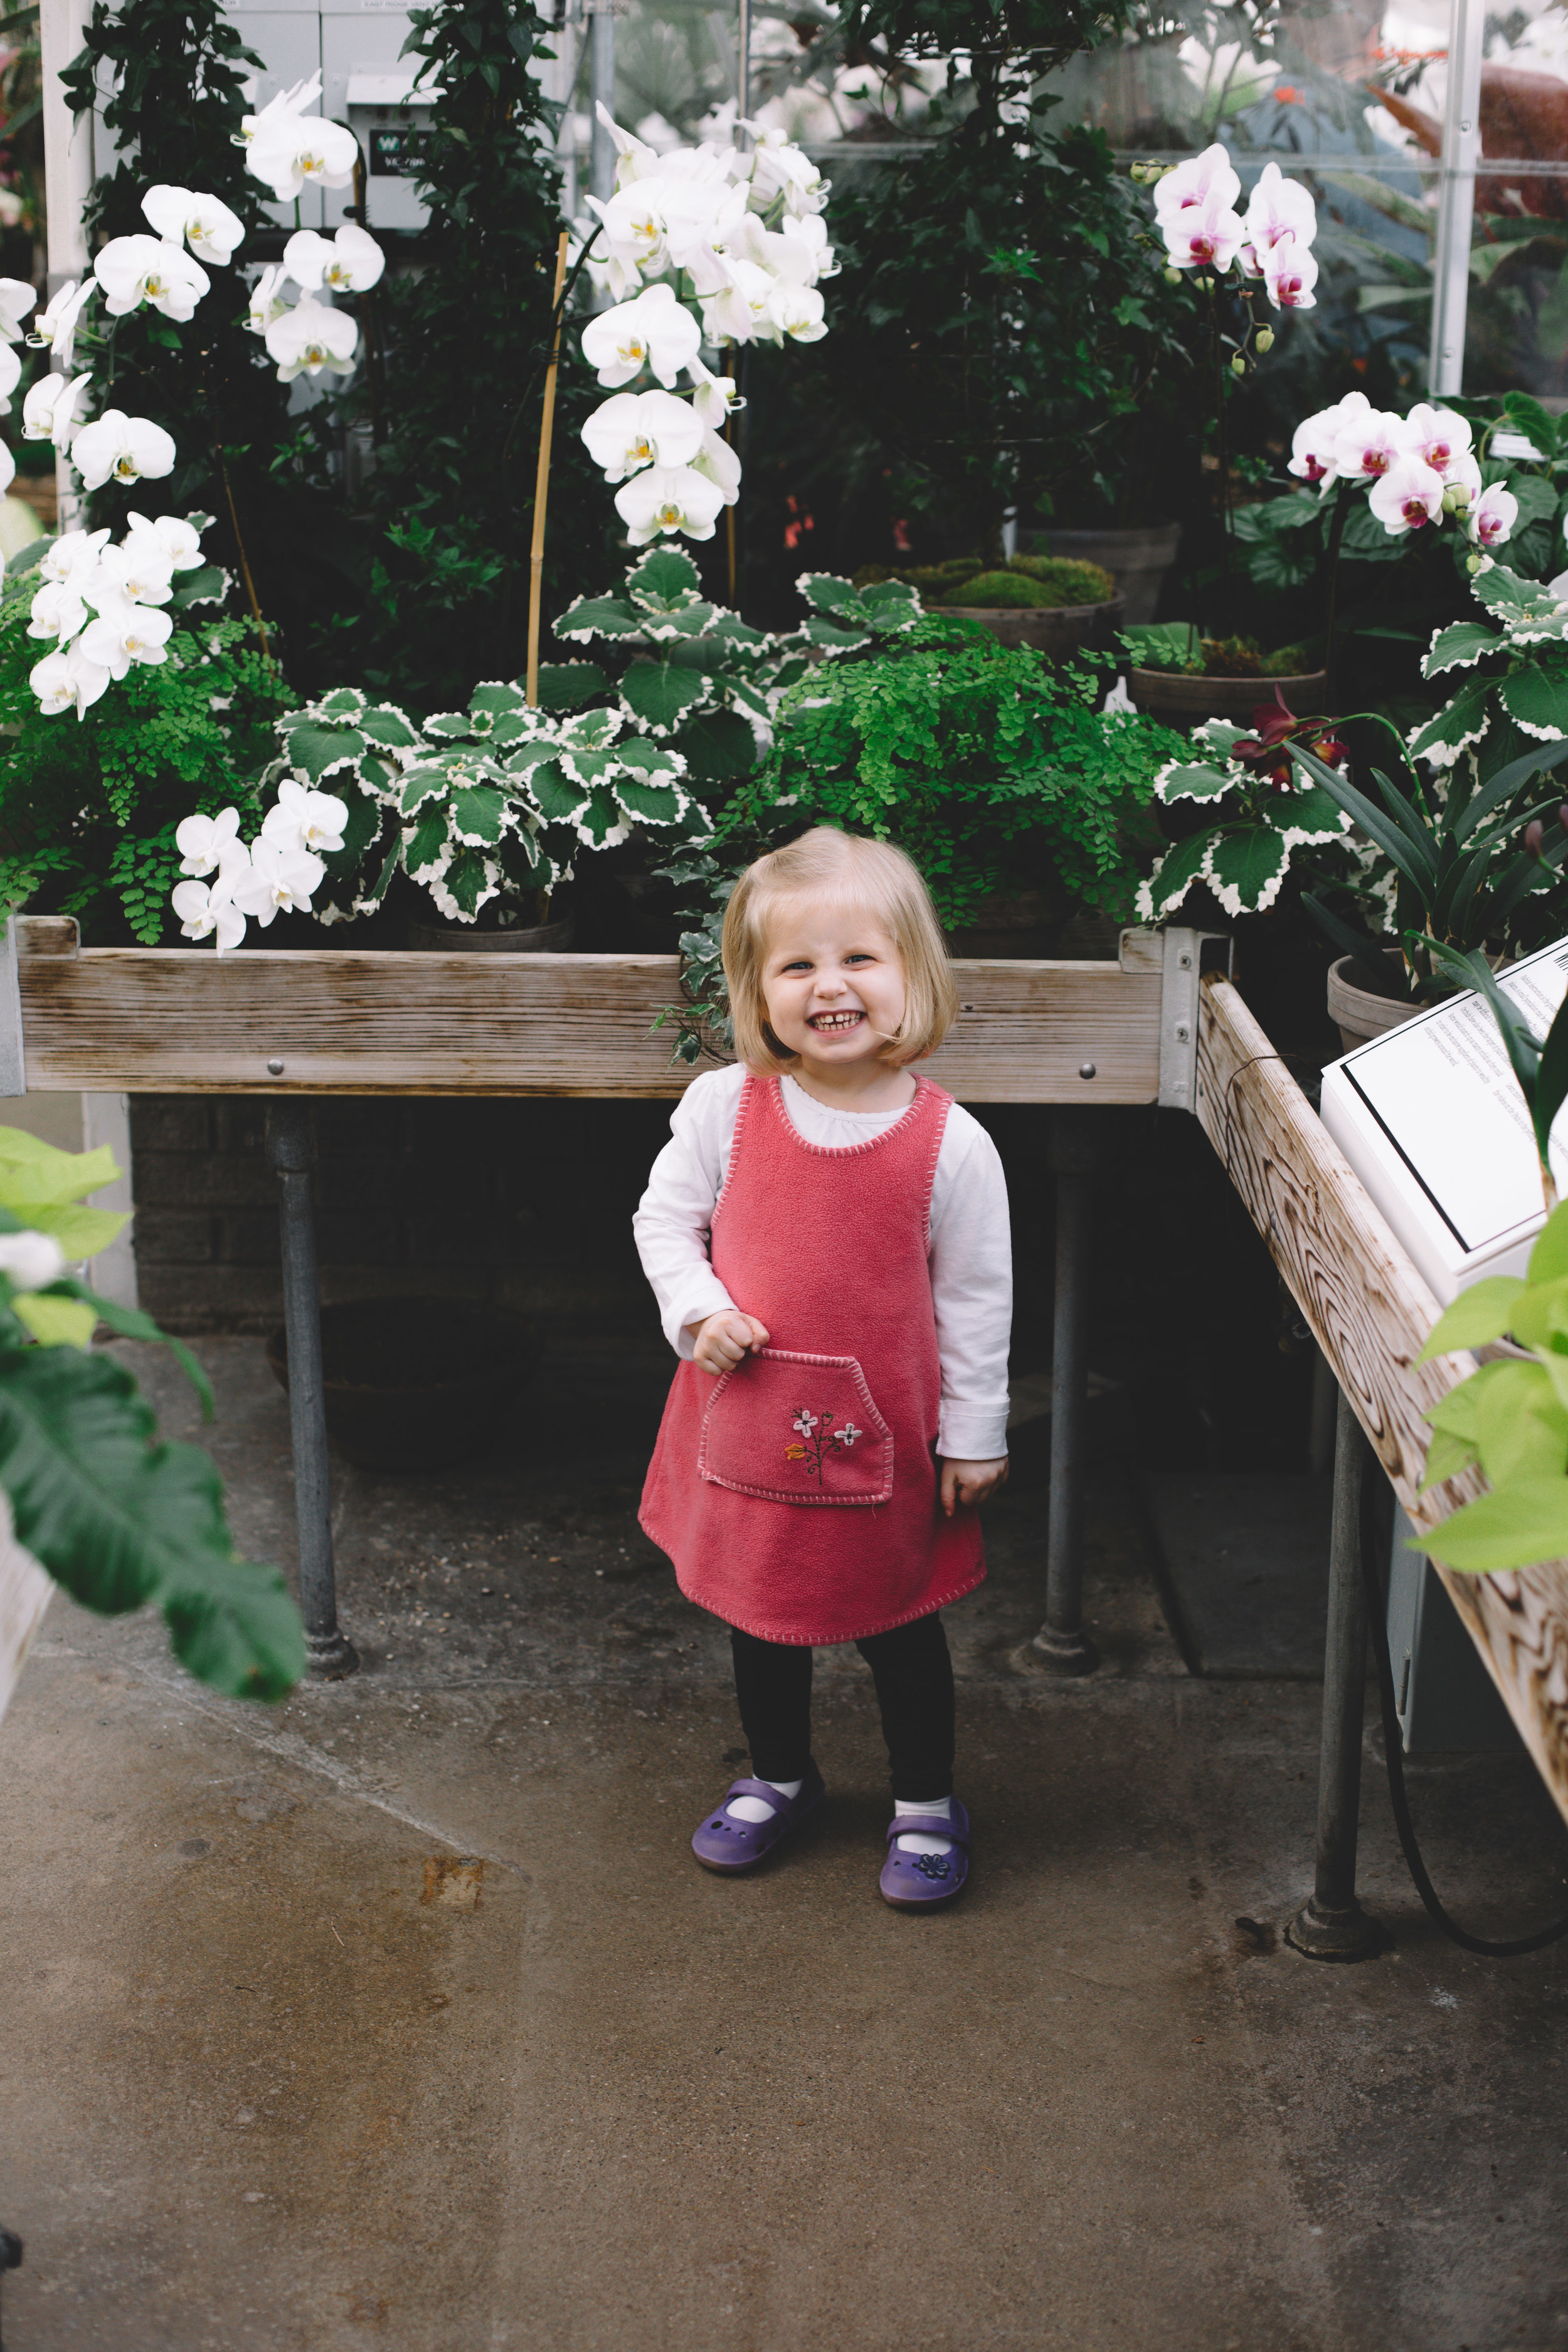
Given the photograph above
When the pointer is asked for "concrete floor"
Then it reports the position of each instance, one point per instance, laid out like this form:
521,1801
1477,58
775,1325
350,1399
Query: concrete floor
399,2015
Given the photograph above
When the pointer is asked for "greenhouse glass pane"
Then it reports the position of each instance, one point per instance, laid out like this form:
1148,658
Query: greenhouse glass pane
1517,322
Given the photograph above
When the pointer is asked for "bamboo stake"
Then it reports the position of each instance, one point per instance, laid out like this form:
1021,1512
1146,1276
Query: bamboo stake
542,485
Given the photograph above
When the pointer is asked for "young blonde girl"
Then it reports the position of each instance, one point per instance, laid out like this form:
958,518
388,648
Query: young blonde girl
827,1234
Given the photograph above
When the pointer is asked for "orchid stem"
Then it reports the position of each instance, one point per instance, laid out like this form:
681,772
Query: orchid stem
541,482
1336,533
1223,459
245,564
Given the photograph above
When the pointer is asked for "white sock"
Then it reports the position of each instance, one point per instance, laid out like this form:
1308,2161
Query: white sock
918,1844
756,1809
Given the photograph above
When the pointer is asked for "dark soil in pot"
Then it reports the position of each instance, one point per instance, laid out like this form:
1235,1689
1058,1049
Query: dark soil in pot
417,1383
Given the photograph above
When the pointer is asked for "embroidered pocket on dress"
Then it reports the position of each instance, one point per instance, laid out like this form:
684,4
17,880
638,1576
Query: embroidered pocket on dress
796,1429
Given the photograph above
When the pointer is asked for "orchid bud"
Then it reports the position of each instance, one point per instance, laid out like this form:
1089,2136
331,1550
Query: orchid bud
1263,342
1473,563
1238,366
1173,277
1562,816
1534,835
1455,499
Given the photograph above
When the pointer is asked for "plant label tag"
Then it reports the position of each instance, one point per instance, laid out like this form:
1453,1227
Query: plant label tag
1432,1121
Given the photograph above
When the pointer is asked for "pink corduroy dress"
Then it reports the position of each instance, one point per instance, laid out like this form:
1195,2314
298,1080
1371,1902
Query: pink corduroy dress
797,1495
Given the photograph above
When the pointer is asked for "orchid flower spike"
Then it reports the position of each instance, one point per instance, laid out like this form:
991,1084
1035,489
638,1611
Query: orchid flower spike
206,223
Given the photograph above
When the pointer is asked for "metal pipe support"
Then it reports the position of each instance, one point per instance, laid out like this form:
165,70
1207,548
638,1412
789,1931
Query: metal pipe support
291,1149
1061,1644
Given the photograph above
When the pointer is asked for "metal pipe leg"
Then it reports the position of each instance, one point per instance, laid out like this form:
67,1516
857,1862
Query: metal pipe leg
1332,1926
292,1148
1061,1643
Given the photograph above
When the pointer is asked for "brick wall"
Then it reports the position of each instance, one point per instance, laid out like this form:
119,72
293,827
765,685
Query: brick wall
525,1206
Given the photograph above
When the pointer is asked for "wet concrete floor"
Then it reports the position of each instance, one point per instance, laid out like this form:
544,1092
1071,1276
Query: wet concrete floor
399,2015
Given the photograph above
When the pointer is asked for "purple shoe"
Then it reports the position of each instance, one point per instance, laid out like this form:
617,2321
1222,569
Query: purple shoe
919,1882
721,1844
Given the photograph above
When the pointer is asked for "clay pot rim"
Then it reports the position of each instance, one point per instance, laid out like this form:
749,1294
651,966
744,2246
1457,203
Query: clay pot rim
1018,611
1199,678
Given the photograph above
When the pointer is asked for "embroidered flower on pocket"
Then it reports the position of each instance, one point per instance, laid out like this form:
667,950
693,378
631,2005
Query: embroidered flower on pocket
821,1437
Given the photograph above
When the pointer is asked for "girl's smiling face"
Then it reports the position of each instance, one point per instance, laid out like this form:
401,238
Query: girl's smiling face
833,983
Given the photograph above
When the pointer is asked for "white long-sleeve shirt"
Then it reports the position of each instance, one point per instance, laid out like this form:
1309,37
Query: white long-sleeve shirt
970,1243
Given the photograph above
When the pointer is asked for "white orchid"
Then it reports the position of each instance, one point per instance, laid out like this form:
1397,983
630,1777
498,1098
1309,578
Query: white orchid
204,841
1314,445
714,398
1289,274
1492,516
1371,441
290,102
10,376
17,298
7,475
203,911
652,331
312,337
669,497
139,568
121,449
136,269
292,151
73,556
56,612
185,216
1278,207
633,158
125,632
267,301
49,410
740,313
641,428
299,819
1408,496
68,681
30,1259
807,255
180,539
1203,235
718,460
781,168
54,329
1195,183
797,311
281,880
350,263
1439,437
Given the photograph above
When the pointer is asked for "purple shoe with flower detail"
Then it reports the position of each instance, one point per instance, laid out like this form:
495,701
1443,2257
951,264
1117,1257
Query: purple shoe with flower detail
919,1882
725,1844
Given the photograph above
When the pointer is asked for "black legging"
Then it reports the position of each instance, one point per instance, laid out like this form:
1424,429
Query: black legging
913,1675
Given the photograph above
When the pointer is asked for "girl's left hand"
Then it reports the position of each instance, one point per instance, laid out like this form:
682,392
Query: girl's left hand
970,1483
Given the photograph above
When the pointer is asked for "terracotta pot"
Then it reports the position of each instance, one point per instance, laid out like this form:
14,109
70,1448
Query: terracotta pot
1137,561
1185,702
416,1384
522,939
1361,1014
1059,630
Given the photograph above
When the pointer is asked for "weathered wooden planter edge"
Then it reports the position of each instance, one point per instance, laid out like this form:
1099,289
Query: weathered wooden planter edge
1371,1313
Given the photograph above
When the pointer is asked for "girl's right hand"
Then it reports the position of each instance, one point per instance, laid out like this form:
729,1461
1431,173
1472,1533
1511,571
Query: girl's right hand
724,1340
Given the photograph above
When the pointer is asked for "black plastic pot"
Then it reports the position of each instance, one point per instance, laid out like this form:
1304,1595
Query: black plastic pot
417,1383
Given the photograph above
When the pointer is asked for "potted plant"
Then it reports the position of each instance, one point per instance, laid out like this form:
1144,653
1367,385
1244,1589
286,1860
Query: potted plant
1182,678
1019,800
1059,608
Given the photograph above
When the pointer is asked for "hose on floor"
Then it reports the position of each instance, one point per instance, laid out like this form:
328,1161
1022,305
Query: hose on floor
1393,1744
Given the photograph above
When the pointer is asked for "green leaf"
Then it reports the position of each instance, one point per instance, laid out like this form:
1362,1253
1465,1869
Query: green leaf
1246,867
1446,1455
1548,1258
36,1175
206,585
718,746
566,686
383,724
1457,647
419,785
232,1625
890,604
315,750
558,799
466,878
1175,875
1532,420
1189,781
109,1513
826,593
478,814
131,1323
1482,1312
1516,1526
1463,721
1521,1429
1311,814
598,818
654,804
1537,698
599,616
495,696
1541,1316
54,1322
426,846
657,692
665,580
81,1232
835,640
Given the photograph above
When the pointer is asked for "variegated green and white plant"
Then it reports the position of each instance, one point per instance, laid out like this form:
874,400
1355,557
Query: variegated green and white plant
1261,813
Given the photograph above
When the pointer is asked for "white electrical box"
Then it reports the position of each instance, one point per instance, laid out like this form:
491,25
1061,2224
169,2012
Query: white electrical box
1431,1118
390,122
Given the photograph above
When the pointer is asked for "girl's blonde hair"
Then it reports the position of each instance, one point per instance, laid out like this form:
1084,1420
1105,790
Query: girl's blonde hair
870,876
